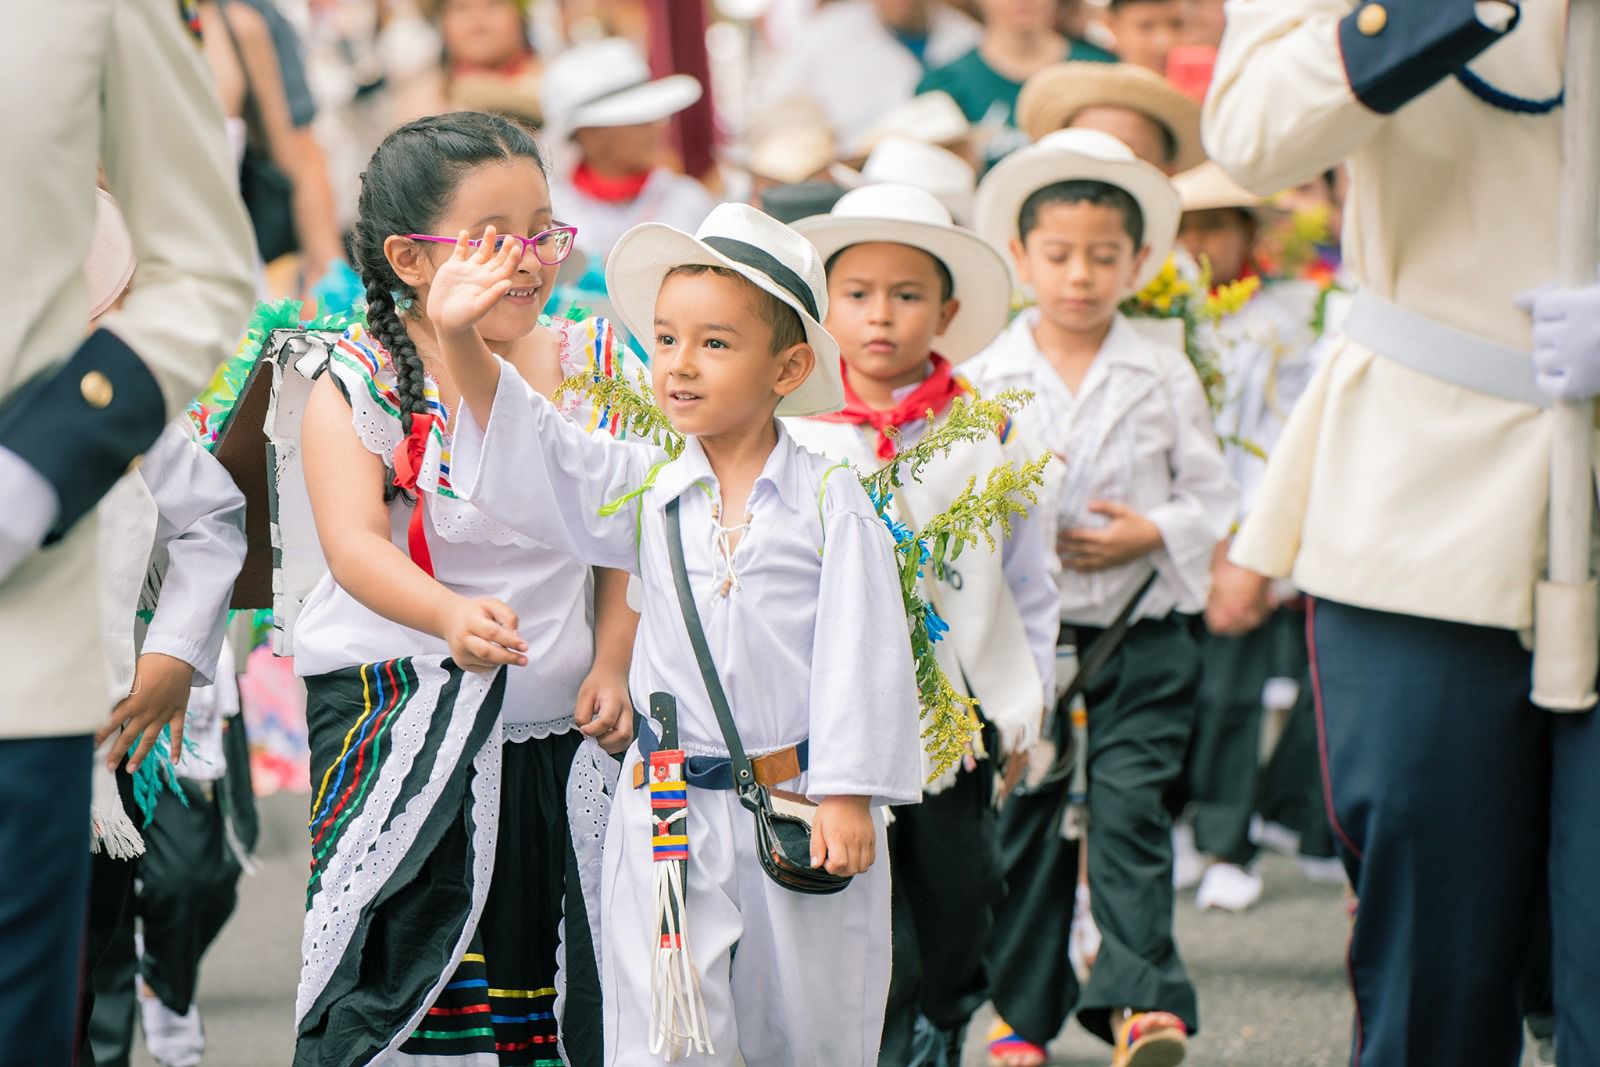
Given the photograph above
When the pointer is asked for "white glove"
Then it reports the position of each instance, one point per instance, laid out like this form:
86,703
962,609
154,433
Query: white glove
1566,339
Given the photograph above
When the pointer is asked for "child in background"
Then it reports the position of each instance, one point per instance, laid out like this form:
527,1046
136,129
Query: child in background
1143,32
436,903
1254,653
1138,108
909,294
793,573
599,97
1143,497
1019,39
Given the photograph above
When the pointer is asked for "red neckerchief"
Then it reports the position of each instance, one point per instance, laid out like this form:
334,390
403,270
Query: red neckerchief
511,68
407,465
608,190
936,393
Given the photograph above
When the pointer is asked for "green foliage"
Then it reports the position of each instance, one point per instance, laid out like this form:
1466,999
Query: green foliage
632,404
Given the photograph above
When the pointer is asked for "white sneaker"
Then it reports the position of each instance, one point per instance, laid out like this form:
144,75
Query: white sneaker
1322,870
1188,866
1228,887
173,1040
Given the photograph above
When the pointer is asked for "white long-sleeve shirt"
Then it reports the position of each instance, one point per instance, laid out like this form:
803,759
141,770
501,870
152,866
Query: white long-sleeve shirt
810,637
1137,433
200,524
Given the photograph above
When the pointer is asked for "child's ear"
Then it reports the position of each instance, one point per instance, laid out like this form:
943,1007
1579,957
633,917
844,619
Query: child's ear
405,259
1139,258
1019,256
795,365
947,315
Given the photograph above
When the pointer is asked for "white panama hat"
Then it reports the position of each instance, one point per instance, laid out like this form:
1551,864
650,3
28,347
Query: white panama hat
934,118
755,246
608,83
905,215
1208,186
111,262
927,166
1079,155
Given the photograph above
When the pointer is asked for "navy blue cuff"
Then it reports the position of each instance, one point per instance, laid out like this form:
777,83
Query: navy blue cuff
81,424
1395,50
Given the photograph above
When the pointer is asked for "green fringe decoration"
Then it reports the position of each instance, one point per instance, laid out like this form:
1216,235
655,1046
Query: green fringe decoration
156,774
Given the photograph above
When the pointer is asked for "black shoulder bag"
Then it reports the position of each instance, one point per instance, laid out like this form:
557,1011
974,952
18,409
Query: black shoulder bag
267,192
783,841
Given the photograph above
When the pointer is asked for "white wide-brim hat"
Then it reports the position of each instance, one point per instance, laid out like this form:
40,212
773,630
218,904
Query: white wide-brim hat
1079,155
1052,97
755,246
934,118
905,215
608,83
917,163
111,261
1208,186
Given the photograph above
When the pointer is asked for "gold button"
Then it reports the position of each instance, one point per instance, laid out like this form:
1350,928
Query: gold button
1372,19
96,389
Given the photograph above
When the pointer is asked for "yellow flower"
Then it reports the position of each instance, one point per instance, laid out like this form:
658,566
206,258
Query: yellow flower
1228,299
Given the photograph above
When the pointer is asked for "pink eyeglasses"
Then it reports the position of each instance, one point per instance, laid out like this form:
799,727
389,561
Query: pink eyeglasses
550,246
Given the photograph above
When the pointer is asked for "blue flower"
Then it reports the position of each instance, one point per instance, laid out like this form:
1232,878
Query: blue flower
937,627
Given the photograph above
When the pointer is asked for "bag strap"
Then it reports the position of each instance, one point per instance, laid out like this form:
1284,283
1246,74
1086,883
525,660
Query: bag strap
744,775
254,128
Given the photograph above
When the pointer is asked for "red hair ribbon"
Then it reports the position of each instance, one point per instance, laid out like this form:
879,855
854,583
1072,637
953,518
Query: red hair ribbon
408,456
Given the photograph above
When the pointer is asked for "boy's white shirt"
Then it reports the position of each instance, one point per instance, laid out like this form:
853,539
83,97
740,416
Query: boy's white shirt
810,644
1267,356
1138,433
1003,615
667,197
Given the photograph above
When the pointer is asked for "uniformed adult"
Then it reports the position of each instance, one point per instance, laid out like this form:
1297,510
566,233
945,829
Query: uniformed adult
119,83
1408,495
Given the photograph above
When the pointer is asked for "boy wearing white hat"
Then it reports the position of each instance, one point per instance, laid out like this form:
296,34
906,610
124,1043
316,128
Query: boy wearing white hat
1254,635
905,161
792,575
601,98
908,293
1137,106
1142,496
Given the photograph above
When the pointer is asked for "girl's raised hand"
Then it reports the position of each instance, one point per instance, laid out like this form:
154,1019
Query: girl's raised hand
472,281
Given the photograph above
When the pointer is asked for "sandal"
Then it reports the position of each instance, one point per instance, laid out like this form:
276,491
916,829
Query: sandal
1150,1039
1006,1049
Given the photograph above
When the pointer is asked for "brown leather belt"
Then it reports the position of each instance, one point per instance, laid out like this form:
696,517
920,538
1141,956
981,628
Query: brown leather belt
771,769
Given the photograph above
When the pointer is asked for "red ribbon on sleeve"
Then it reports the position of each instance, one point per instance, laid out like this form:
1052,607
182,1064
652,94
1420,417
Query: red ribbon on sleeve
408,455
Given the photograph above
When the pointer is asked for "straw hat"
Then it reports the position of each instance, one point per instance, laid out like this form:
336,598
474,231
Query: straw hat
1079,155
933,118
906,215
111,262
608,83
926,166
1208,186
759,248
1054,96
791,141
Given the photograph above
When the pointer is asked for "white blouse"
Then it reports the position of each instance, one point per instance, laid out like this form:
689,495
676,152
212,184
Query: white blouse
805,622
1137,433
472,553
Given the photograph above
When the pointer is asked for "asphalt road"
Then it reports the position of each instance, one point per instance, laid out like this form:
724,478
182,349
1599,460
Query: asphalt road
1271,981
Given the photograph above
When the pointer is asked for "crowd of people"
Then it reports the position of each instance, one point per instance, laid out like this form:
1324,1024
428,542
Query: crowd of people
795,520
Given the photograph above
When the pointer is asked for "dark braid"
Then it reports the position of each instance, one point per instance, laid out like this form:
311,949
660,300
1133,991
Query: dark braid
407,185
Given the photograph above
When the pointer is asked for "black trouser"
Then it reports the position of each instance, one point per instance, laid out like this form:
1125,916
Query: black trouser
188,886
945,866
44,895
1141,713
1455,803
1225,777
